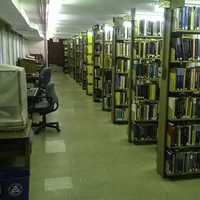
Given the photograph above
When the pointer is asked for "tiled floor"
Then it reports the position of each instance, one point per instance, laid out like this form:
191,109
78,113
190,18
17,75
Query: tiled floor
91,159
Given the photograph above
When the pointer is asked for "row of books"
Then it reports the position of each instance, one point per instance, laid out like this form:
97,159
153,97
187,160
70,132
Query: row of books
97,48
89,59
97,72
148,49
123,66
142,28
183,135
185,49
147,70
187,18
121,114
184,79
97,61
108,35
97,83
148,28
147,92
107,62
107,101
108,76
180,162
146,112
107,90
98,36
123,33
89,74
107,87
89,39
89,49
144,133
123,50
121,81
121,98
183,108
108,48
89,52
97,93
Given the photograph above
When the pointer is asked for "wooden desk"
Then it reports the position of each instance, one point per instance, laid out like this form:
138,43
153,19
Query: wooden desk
16,143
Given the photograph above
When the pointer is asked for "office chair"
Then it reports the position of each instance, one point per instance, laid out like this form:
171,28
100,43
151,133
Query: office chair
45,77
40,88
45,105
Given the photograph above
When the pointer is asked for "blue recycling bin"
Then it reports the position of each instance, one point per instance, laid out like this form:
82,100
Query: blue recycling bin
14,184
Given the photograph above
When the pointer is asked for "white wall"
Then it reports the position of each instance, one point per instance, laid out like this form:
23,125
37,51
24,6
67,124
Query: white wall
36,47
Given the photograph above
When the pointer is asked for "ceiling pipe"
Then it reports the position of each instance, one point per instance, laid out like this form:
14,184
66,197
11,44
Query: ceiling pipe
44,17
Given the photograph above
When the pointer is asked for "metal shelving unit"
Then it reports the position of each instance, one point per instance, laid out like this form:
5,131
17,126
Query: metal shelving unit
66,55
121,65
78,58
107,69
98,62
71,58
178,143
84,60
144,77
90,64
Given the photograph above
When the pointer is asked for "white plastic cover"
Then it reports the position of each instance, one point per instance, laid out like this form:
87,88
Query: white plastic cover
13,98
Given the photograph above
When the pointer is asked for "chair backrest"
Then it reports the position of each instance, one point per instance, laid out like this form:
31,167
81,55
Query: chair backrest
45,77
51,95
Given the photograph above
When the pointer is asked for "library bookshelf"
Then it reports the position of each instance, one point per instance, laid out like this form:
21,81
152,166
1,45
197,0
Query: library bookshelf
107,68
144,87
179,125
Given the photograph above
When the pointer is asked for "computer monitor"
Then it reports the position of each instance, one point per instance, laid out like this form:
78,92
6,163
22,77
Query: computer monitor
13,98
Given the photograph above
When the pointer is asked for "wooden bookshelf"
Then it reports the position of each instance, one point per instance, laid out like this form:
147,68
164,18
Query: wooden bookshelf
144,79
90,64
178,127
121,64
107,69
98,62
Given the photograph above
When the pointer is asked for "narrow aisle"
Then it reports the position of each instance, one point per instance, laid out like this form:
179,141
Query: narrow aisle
91,159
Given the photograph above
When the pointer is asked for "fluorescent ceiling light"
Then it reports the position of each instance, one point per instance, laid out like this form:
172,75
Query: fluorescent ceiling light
55,17
53,10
